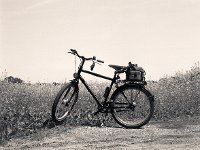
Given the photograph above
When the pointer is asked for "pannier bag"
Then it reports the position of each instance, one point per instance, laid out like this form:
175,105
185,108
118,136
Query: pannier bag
135,73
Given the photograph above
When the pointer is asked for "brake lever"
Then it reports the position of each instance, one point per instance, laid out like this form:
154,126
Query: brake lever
95,60
92,66
98,63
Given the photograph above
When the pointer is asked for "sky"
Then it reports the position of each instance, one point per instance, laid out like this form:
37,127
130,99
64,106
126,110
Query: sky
162,36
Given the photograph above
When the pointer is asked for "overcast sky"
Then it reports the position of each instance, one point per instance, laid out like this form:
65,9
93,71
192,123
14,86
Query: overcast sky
162,36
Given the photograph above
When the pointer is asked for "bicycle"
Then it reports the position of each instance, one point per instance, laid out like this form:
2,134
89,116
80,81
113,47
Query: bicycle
131,105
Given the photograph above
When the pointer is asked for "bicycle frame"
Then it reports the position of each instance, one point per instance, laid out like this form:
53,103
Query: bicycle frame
124,99
78,77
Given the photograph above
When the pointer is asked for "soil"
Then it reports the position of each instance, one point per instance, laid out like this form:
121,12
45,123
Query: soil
175,134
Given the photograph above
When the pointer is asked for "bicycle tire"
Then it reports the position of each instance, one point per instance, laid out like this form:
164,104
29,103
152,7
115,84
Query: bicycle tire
132,111
65,99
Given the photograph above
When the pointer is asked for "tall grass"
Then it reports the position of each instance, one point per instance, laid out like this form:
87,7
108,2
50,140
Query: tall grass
178,95
25,107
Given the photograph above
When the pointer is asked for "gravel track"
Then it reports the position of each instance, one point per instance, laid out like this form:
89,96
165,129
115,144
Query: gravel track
176,134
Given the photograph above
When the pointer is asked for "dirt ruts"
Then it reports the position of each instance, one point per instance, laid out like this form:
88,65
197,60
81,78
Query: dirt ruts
175,134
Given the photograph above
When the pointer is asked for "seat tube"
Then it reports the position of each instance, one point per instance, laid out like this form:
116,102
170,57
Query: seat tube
109,88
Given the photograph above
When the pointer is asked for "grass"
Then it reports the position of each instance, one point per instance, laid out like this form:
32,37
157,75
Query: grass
25,107
177,96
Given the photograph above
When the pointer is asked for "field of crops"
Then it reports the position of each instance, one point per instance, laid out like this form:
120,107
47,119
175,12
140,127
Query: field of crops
25,107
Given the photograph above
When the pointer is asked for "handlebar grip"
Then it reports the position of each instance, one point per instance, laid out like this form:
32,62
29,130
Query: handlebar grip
73,50
100,61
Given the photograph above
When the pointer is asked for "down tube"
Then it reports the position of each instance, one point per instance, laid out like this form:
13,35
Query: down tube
87,87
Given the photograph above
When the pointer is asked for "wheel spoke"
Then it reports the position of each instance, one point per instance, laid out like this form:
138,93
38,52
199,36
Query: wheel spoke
66,92
118,107
64,103
122,110
132,107
121,103
136,96
70,98
125,97
70,109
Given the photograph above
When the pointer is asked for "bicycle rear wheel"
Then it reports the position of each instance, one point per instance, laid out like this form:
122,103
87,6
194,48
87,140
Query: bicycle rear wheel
64,102
132,106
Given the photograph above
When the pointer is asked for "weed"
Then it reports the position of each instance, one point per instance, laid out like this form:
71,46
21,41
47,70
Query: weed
27,107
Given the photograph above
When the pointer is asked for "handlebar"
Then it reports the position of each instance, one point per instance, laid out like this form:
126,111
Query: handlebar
100,61
74,52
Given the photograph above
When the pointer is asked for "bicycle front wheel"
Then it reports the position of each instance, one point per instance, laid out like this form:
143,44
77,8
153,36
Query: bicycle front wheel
132,106
64,102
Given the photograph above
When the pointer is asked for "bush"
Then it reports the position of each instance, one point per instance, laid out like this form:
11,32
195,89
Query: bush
178,95
25,107
11,79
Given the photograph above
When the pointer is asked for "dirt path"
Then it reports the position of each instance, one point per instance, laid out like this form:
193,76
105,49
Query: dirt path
177,134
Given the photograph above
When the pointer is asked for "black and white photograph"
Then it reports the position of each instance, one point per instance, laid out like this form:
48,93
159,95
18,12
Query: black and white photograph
100,74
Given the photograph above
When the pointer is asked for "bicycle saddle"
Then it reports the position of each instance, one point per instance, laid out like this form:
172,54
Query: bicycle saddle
116,67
